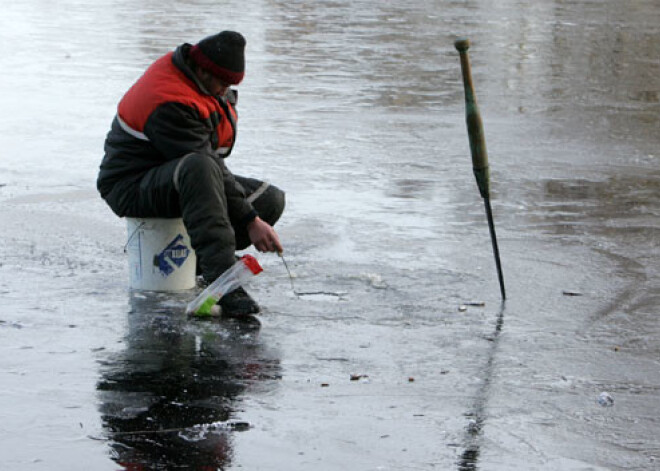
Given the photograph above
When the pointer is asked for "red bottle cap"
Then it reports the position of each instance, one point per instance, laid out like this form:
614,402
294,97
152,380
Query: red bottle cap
252,264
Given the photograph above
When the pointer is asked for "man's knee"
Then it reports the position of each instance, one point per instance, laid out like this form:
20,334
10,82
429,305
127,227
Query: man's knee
270,205
198,168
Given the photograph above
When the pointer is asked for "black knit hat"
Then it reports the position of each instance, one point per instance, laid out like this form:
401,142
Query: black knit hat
223,55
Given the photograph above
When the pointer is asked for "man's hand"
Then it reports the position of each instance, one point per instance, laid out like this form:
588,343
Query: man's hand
263,236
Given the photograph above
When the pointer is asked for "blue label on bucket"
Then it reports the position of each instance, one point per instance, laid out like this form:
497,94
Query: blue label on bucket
172,256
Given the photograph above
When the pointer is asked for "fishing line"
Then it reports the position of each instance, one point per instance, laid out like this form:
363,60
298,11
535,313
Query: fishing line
139,226
305,293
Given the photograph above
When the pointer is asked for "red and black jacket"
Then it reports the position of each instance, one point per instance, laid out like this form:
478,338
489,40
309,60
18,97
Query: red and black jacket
165,115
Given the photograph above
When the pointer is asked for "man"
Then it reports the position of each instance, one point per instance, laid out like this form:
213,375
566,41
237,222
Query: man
164,157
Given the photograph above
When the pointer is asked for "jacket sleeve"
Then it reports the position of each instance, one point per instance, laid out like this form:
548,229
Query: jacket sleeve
176,130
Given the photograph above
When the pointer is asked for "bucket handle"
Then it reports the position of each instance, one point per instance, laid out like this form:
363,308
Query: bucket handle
130,238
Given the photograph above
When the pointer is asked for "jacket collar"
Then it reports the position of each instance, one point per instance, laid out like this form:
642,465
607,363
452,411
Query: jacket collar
179,60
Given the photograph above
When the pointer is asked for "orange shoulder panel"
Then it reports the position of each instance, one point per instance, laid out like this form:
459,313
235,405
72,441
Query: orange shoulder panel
162,82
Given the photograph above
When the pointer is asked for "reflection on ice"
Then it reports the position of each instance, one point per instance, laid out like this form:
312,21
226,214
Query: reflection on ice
168,399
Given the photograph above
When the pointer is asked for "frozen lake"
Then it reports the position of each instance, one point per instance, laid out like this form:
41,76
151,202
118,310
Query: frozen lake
356,110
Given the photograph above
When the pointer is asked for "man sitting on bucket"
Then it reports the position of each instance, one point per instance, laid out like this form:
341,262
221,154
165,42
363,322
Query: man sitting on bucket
165,158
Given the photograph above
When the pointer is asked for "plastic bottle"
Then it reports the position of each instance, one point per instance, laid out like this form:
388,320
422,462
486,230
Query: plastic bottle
241,271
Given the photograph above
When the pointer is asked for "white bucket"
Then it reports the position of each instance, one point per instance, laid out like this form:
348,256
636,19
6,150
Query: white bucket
160,257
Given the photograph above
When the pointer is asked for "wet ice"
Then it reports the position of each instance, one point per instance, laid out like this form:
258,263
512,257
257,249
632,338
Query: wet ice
356,110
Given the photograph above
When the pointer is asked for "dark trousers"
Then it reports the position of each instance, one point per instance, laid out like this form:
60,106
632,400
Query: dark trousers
198,196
